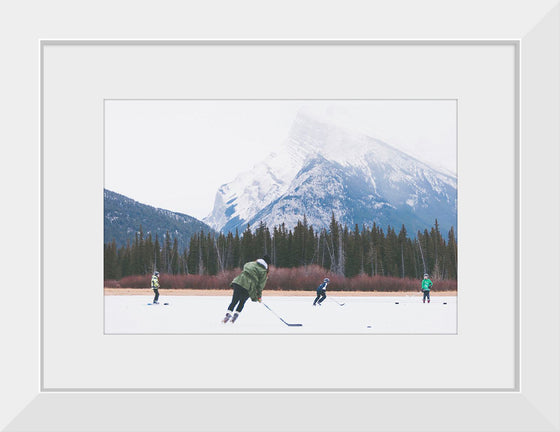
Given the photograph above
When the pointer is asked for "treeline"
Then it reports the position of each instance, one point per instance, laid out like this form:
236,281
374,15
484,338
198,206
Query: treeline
338,249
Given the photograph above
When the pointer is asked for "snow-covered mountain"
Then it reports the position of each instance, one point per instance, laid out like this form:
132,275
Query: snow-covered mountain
325,168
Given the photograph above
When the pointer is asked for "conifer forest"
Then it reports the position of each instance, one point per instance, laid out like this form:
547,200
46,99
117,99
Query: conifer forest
340,250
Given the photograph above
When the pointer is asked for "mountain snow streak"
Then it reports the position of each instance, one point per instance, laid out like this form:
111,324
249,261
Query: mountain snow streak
324,168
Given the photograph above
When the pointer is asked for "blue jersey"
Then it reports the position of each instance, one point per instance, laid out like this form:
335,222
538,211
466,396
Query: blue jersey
322,287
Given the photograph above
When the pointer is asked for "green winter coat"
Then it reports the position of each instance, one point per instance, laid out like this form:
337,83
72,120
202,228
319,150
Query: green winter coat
155,282
253,279
426,284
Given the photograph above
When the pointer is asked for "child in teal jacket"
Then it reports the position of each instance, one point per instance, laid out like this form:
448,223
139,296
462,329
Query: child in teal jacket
426,285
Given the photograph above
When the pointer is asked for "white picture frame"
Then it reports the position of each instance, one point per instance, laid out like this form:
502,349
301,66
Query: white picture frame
532,403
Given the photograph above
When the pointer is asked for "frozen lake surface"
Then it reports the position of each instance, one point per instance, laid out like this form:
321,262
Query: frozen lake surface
130,314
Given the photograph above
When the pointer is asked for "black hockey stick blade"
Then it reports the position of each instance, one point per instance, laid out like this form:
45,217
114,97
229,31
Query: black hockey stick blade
280,318
291,325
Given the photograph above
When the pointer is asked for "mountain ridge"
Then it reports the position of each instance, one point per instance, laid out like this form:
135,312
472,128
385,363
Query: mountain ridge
123,217
360,179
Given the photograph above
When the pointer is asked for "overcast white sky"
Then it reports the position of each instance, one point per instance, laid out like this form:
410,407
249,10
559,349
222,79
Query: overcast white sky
176,154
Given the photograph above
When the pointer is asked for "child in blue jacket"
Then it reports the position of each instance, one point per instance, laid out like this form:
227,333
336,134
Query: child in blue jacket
321,292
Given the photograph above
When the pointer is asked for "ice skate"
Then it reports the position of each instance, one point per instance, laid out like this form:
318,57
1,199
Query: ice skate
226,318
235,315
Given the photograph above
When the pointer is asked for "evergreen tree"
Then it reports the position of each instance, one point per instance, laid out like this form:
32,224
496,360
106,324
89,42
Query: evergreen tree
193,259
451,255
236,250
261,244
156,263
354,253
110,261
247,246
149,254
175,257
335,246
212,255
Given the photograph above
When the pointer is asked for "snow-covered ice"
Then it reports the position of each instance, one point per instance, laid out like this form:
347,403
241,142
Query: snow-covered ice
203,315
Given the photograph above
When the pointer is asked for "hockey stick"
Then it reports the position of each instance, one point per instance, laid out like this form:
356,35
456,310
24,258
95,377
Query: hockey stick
340,304
288,324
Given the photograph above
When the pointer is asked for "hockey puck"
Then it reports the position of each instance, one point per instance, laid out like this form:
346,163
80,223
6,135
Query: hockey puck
396,302
368,326
444,303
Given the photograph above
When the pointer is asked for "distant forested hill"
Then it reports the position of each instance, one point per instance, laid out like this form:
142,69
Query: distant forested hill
124,216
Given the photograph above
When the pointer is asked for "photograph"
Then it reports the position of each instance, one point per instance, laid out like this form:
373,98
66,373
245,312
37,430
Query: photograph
254,192
280,216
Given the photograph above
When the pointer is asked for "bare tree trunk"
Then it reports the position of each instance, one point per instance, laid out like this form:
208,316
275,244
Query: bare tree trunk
200,260
220,259
341,257
330,250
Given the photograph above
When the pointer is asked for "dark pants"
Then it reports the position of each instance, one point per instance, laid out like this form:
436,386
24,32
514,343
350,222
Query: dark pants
426,296
240,295
322,295
156,295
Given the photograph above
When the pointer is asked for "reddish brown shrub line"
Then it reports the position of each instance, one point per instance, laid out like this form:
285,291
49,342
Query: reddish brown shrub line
285,279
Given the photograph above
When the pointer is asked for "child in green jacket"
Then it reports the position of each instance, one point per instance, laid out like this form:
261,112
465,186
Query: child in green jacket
426,285
155,286
249,284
